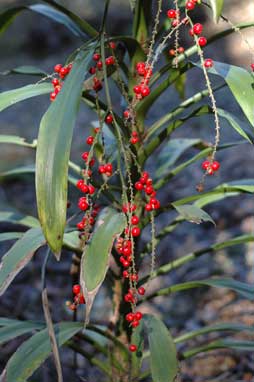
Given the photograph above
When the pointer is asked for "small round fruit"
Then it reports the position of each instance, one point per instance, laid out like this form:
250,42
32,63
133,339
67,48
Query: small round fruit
109,119
133,348
135,231
130,317
89,140
202,41
171,13
215,166
197,28
76,289
141,291
208,63
206,164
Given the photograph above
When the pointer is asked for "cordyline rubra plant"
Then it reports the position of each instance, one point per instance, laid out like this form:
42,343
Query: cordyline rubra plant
119,196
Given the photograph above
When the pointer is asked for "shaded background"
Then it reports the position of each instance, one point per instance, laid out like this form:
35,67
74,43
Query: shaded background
34,40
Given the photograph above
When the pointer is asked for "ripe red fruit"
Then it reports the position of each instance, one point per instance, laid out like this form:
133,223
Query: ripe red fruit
134,140
126,274
85,156
109,119
135,231
127,251
208,63
181,49
134,220
215,166
252,67
133,348
148,207
172,52
149,190
126,114
53,96
89,140
79,183
202,41
76,289
57,68
135,324
102,169
206,164
139,186
96,56
128,297
84,188
63,72
171,13
92,70
80,226
110,61
129,317
141,291
91,189
112,45
55,82
138,316
97,84
145,91
108,167
190,5
134,277
197,28
82,299
141,68
137,89
99,65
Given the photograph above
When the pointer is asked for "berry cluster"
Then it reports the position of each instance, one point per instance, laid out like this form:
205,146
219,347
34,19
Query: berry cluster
145,183
62,72
94,70
78,298
142,89
210,167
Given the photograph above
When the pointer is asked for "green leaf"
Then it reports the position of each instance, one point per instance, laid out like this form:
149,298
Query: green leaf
11,97
10,236
217,7
17,218
18,328
137,338
53,149
221,344
55,12
72,240
95,259
163,357
222,327
32,353
240,82
14,139
170,153
19,171
27,69
193,213
18,256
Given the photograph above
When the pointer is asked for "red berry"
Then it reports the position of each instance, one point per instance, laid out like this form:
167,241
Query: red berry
110,61
133,348
63,72
126,114
149,190
171,13
206,164
85,156
141,68
148,207
91,189
109,119
141,291
137,89
134,220
53,96
126,263
145,91
139,186
181,49
134,277
57,68
135,231
208,63
252,67
84,188
102,169
112,45
79,183
202,41
127,251
92,70
82,299
215,166
55,82
96,56
197,28
76,289
126,274
97,85
108,167
190,5
89,140
99,65
134,140
135,324
129,317
138,316
128,297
